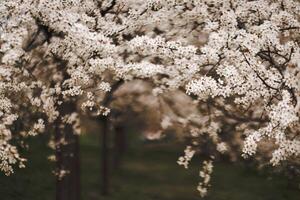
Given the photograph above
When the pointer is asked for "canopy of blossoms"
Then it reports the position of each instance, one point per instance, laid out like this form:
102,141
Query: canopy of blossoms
238,59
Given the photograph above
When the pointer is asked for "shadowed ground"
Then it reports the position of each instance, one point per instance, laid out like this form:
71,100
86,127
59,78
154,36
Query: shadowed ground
149,172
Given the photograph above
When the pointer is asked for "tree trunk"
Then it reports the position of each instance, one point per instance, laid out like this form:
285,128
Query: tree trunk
105,155
67,158
105,139
75,169
61,193
120,145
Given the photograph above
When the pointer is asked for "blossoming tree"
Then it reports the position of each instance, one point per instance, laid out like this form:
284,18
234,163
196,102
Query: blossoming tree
238,60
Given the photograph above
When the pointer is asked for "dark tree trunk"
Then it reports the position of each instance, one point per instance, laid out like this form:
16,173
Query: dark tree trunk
77,170
74,166
120,145
105,155
61,193
67,155
104,120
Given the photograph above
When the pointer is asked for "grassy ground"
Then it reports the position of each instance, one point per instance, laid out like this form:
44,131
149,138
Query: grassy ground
35,182
149,172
